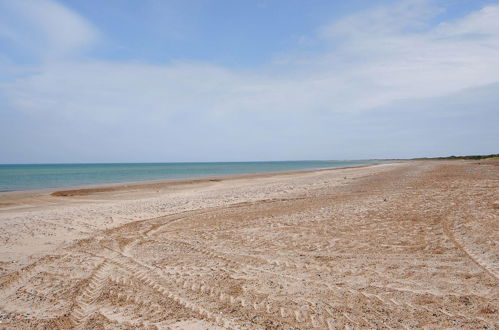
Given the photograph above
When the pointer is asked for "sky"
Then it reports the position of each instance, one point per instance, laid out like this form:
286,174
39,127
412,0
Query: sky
222,80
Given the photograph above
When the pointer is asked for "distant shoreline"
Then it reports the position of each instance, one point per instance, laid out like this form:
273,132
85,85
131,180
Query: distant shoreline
114,184
184,181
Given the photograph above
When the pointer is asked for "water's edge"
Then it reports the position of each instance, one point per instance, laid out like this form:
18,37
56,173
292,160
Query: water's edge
59,176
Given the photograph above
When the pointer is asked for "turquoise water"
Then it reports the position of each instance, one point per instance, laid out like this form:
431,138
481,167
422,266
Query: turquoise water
43,176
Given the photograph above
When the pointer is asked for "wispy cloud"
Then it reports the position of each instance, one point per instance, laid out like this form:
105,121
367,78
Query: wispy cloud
394,53
45,27
402,16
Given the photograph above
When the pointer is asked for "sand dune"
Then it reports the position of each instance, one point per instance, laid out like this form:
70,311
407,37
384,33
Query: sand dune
403,245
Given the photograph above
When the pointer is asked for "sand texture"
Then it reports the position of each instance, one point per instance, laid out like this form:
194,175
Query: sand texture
403,246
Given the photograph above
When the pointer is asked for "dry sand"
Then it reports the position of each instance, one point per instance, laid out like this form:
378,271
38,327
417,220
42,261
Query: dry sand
403,245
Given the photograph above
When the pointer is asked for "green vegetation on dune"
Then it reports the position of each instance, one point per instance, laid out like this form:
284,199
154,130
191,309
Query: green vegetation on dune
472,157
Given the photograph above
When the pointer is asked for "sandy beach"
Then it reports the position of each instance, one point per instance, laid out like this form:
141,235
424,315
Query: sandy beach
401,245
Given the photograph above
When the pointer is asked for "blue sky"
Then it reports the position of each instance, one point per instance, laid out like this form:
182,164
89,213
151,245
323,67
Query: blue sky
200,80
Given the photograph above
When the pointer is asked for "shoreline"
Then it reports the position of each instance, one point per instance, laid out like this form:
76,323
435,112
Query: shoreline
86,190
115,186
152,184
182,176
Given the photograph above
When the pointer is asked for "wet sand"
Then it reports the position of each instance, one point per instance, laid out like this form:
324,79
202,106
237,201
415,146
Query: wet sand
402,245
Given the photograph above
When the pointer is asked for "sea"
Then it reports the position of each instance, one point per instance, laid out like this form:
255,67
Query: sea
17,177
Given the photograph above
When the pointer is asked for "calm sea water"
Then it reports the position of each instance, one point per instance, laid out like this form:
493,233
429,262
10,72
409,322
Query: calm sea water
42,176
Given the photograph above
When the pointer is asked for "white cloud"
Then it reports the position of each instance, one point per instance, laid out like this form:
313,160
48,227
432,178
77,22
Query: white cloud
481,24
403,16
46,27
393,53
380,62
375,59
